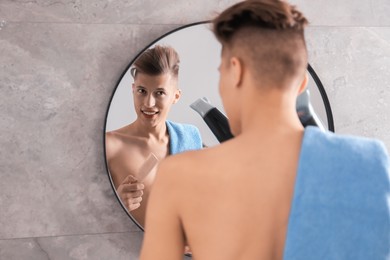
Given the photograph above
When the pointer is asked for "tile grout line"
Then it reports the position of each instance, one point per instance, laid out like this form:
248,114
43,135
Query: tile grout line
70,235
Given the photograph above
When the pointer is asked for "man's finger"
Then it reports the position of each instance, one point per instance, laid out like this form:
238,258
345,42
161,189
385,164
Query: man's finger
134,206
136,200
133,187
134,194
129,179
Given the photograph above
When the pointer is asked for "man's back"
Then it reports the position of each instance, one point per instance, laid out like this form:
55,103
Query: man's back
235,197
235,200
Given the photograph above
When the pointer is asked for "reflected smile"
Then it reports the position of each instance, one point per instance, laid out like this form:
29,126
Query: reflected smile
149,113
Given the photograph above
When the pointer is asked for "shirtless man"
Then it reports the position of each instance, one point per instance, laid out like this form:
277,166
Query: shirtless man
233,201
154,90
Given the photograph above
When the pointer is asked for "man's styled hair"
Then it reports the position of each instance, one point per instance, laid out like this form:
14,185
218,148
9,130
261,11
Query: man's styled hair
268,35
156,61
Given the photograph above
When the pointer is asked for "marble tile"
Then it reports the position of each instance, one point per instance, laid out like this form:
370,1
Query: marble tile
345,13
339,13
321,12
56,82
126,245
354,66
20,249
104,11
102,246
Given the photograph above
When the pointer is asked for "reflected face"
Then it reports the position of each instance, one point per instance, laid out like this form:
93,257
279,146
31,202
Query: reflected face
153,97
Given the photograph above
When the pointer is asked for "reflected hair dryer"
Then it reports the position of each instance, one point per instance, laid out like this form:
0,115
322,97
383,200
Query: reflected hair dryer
215,120
305,111
219,124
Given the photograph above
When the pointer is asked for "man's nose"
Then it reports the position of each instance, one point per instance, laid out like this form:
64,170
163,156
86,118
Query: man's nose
150,101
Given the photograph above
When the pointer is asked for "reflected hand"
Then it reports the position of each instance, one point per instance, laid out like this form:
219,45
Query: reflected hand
130,191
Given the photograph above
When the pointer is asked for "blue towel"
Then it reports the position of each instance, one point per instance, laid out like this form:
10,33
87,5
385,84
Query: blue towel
341,202
183,137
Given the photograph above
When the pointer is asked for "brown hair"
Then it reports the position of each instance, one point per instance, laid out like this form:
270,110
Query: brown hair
156,61
268,35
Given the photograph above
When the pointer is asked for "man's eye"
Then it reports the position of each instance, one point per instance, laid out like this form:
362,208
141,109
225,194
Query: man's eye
160,93
141,91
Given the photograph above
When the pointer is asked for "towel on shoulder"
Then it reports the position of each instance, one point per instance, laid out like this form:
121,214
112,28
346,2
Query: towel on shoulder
341,202
183,137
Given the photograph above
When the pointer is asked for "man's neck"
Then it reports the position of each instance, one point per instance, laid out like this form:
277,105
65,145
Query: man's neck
157,132
269,115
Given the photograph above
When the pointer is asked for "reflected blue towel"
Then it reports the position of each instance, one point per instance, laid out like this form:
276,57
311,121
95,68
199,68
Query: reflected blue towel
340,208
183,137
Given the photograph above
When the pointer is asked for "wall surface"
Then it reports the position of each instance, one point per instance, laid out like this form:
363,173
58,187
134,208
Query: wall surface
60,61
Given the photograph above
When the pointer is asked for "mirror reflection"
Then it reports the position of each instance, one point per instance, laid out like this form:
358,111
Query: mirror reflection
152,115
133,151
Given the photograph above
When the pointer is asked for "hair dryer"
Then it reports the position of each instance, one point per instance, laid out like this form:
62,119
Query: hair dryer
305,111
219,125
216,121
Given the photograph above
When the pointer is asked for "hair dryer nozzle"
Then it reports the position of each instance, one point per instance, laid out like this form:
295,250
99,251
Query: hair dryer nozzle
202,106
215,120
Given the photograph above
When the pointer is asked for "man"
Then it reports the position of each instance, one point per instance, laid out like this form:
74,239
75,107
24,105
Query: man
150,137
276,190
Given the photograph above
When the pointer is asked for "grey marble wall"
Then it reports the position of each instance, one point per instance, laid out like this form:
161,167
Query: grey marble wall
59,63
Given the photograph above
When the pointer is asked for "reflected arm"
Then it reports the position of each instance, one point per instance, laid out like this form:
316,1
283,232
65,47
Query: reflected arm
112,147
164,237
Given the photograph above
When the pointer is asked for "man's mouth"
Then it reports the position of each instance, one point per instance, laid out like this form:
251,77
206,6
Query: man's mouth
149,113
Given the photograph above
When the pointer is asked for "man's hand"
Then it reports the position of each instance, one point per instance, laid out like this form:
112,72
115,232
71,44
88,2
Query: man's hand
130,192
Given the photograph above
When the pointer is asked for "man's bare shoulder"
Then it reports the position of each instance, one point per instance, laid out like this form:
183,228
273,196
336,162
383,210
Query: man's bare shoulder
119,139
123,132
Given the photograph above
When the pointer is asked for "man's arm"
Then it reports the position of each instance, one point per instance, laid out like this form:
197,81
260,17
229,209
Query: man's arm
113,145
164,237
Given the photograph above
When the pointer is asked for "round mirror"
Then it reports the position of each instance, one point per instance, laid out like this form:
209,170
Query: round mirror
198,78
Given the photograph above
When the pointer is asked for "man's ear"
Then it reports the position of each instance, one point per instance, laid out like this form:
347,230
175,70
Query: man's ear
303,84
237,71
177,96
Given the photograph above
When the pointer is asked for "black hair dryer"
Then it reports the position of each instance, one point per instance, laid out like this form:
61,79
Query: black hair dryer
216,121
305,111
219,124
